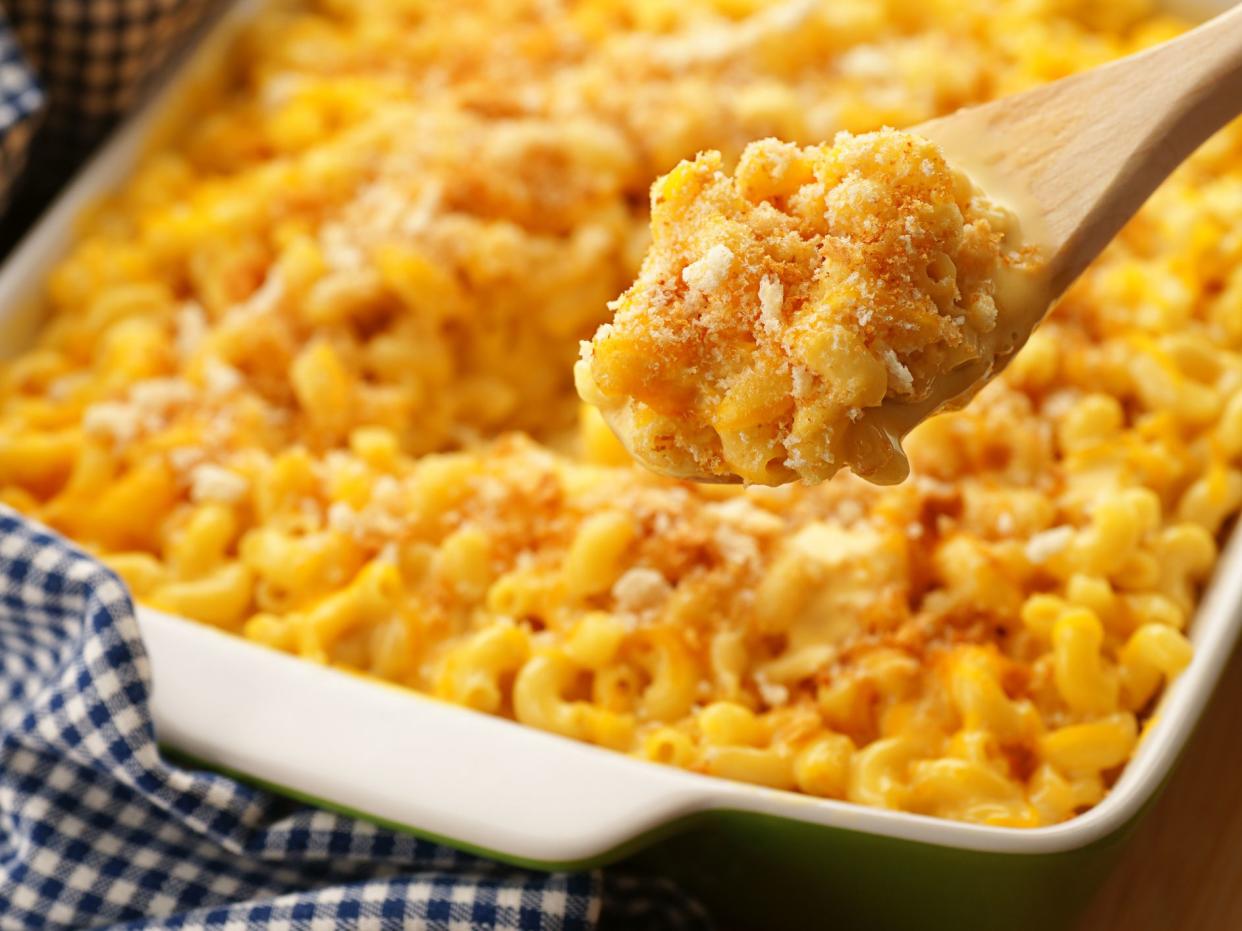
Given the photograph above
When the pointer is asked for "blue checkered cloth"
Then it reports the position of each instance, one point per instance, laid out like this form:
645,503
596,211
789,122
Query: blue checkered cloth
98,828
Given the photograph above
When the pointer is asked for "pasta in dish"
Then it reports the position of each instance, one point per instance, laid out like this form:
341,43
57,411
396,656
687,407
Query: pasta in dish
307,377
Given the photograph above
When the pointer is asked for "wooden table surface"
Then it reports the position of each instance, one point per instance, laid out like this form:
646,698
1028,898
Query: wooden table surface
1183,870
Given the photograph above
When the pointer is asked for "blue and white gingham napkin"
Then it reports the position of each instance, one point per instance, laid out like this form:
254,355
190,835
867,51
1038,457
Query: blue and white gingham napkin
97,828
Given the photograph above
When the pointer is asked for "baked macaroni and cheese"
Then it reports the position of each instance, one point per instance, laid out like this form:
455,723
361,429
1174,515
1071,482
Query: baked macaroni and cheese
789,320
308,378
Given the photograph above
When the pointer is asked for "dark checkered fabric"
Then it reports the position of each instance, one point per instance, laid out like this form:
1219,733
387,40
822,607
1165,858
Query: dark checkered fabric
21,108
82,66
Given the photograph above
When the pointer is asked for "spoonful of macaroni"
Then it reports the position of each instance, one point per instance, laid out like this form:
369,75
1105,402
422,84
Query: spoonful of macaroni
806,312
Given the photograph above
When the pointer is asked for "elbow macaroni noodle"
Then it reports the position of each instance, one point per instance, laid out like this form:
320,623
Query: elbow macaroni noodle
307,379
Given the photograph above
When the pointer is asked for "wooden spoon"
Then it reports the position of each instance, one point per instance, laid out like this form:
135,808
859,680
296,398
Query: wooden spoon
1074,160
1077,158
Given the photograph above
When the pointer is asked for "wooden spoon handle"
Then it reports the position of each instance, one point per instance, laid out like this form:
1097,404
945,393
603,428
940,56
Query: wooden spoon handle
1143,116
1084,153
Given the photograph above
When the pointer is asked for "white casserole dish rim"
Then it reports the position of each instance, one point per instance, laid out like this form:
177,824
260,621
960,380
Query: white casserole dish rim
437,769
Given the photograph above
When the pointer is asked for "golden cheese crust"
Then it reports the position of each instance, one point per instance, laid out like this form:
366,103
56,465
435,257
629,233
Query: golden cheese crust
779,307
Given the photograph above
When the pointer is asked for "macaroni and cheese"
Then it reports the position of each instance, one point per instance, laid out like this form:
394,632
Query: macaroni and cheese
307,378
787,317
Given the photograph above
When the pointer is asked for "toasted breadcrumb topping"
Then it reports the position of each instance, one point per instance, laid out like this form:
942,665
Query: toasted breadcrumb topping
820,283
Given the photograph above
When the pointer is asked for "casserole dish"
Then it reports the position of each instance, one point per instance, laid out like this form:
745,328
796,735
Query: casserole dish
761,857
